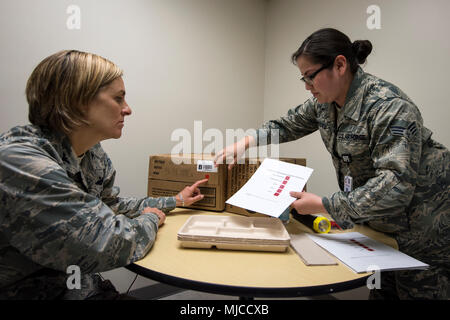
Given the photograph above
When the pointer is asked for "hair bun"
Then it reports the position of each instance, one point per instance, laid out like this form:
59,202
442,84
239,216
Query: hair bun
362,48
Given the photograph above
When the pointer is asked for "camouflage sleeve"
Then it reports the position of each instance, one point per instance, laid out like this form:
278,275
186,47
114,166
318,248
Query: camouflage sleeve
395,148
299,122
52,222
130,206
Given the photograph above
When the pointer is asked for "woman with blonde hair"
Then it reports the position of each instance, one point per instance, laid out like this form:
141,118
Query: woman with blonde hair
59,205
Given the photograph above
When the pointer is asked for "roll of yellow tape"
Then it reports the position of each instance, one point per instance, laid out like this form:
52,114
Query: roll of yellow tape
321,225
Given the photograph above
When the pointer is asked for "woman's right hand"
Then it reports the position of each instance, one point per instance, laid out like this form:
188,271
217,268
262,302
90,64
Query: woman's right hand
232,153
190,194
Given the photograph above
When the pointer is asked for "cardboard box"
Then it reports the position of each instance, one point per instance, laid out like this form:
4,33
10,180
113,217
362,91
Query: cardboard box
240,174
169,174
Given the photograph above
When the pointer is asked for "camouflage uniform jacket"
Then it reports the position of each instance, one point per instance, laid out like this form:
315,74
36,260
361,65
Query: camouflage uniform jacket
400,175
57,211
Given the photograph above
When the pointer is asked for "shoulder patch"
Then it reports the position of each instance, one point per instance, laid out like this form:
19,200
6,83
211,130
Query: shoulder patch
406,132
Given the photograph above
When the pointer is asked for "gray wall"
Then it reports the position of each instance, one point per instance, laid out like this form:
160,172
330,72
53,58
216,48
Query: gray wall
225,62
410,50
184,60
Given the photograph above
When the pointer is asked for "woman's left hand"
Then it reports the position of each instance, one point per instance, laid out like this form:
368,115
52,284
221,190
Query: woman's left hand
161,215
307,203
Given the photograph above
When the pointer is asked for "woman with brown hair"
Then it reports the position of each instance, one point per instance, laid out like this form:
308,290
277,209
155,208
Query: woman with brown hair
392,175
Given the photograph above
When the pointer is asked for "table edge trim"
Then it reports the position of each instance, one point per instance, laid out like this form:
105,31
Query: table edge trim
245,291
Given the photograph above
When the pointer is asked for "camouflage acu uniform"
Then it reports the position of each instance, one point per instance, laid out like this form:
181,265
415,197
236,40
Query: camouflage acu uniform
401,176
57,210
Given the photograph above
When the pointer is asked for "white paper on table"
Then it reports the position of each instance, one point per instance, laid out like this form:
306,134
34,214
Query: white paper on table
267,191
362,253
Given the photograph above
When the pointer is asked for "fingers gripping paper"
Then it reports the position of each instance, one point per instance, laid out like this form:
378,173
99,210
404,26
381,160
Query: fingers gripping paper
309,251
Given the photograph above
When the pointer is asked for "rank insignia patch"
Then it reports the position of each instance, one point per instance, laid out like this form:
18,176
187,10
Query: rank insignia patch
407,132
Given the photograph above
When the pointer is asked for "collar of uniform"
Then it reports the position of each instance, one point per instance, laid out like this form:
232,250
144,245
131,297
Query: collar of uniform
71,163
63,147
352,106
60,144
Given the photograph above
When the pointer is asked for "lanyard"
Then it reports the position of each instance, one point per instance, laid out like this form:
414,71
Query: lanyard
346,158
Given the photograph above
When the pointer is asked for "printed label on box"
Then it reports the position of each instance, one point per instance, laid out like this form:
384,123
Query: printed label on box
206,166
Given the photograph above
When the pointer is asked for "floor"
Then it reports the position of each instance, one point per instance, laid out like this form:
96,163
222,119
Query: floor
160,291
147,289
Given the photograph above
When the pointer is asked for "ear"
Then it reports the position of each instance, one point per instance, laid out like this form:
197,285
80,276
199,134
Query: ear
341,64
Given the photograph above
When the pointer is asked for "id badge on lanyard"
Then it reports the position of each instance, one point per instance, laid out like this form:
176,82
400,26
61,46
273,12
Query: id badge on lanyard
348,180
348,184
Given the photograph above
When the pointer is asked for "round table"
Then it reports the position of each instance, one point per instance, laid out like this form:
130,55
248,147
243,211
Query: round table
246,274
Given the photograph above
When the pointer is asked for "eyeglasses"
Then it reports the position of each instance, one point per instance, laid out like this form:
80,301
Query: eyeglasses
309,79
